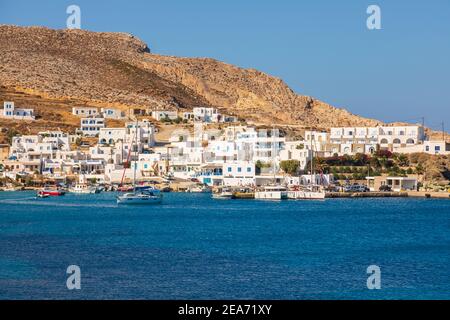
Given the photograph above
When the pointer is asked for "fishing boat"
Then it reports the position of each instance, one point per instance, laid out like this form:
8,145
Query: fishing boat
271,193
244,193
222,193
139,195
84,188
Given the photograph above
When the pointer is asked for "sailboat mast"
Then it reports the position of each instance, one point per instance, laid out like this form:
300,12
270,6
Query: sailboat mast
312,156
136,155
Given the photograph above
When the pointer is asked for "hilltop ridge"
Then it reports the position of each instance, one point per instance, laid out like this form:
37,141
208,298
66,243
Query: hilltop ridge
117,69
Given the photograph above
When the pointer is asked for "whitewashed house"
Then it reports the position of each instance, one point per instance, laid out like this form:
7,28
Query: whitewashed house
112,113
85,112
11,112
164,114
90,127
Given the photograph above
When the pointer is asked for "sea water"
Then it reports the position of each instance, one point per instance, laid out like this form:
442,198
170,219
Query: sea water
194,247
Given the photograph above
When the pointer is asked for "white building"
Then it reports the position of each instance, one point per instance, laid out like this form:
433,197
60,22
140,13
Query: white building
352,140
112,113
90,127
429,147
296,150
164,114
85,112
10,112
239,173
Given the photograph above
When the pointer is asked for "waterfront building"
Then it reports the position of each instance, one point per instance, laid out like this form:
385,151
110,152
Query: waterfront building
13,113
396,184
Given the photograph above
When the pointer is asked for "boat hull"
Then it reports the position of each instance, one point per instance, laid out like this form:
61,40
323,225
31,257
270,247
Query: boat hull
271,195
138,200
51,193
306,195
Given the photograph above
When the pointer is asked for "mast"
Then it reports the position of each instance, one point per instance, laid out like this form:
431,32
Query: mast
136,156
312,156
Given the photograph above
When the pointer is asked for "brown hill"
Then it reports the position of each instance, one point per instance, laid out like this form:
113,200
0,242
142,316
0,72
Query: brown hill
56,69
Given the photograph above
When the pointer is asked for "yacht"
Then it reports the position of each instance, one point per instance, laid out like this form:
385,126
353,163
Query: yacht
138,195
271,193
143,196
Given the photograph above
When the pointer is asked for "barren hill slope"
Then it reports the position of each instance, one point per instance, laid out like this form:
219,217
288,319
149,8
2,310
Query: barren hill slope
116,69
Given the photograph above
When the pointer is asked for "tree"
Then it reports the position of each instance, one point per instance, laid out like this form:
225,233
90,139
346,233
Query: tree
290,166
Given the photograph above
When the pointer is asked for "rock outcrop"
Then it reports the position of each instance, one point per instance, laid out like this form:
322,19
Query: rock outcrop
116,69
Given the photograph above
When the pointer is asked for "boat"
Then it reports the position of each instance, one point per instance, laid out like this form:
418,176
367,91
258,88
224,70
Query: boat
50,192
84,188
199,189
222,193
308,193
140,195
244,193
145,197
275,192
42,195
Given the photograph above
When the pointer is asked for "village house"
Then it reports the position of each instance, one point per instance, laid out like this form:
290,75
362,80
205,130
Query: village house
90,127
85,112
164,115
112,113
13,113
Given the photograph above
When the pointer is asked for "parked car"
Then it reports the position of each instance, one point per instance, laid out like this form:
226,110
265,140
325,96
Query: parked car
355,188
385,188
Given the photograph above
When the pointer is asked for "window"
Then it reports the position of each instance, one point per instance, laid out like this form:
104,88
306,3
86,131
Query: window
249,169
437,148
427,148
239,169
229,169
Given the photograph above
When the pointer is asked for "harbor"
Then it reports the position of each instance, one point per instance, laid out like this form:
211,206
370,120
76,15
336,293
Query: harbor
233,249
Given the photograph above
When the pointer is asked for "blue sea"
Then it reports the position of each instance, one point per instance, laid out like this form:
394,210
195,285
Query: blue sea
194,247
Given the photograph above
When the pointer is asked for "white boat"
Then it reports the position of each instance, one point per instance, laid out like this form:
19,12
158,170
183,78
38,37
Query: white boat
199,189
271,193
310,193
223,193
145,197
84,188
139,195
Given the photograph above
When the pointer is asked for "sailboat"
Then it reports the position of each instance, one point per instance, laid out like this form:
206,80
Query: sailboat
139,195
311,191
274,191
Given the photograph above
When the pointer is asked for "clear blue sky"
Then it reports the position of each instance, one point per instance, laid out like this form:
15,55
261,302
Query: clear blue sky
321,48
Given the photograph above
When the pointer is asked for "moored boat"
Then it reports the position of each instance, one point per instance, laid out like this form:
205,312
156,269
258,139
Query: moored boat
272,193
222,193
84,188
308,193
50,192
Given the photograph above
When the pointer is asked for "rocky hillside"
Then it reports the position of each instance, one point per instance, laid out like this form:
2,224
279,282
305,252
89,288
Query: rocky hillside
61,68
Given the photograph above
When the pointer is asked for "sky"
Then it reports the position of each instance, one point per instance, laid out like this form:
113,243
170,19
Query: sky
320,48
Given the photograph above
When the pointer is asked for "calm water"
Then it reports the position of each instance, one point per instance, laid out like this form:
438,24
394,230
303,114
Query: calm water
193,247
